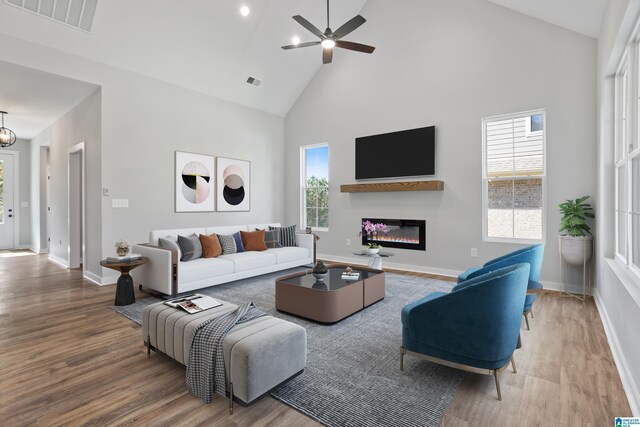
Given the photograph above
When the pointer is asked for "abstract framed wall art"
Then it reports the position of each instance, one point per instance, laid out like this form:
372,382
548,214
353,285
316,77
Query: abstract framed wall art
233,185
195,187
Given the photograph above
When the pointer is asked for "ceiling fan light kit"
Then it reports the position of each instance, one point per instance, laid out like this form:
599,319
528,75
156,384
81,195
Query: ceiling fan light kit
330,39
7,137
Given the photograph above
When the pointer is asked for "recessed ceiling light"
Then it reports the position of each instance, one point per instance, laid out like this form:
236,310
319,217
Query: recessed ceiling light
295,40
244,11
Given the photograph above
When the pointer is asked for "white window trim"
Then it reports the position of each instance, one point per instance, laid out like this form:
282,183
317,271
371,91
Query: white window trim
527,129
303,168
485,180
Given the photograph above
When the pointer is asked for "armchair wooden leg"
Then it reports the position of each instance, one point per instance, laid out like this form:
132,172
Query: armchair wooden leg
526,319
496,374
513,365
402,353
531,311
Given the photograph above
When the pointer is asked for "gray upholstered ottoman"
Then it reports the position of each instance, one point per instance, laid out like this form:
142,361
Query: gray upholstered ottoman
258,355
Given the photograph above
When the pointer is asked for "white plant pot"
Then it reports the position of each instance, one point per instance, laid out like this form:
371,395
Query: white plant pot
373,251
576,250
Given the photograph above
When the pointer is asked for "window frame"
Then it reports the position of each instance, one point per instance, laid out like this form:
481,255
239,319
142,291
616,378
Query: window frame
303,186
485,179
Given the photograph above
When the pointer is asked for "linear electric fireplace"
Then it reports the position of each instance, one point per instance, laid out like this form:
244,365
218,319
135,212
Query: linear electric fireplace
396,233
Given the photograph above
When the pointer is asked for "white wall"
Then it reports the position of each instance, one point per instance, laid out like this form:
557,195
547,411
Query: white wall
81,123
448,64
617,294
143,122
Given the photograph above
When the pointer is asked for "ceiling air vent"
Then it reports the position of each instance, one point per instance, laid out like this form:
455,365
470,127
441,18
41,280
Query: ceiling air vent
253,81
75,13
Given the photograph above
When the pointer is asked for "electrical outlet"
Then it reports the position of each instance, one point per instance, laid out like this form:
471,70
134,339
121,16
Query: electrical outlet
474,252
348,242
105,191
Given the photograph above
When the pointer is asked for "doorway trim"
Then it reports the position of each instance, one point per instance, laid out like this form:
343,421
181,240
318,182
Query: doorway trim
16,196
77,149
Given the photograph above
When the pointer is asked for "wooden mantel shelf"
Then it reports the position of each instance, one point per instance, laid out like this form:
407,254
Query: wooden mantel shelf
393,186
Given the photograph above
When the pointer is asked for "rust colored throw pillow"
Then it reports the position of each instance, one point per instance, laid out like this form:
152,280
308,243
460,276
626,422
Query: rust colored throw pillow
211,247
253,240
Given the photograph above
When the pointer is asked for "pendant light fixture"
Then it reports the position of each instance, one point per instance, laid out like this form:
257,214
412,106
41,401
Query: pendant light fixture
7,137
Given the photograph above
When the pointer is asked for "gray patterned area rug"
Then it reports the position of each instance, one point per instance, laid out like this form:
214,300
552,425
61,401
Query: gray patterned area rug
353,375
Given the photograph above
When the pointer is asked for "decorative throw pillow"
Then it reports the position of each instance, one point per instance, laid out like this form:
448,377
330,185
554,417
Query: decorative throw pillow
253,240
287,235
191,247
271,238
211,247
170,243
228,244
238,239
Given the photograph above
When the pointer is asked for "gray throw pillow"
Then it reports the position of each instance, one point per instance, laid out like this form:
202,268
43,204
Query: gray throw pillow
169,243
287,235
271,238
191,247
228,244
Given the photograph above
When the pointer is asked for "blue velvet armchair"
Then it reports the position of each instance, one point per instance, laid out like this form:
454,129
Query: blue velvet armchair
531,255
474,328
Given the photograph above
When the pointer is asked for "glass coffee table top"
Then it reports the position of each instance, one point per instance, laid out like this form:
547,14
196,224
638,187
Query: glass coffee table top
331,282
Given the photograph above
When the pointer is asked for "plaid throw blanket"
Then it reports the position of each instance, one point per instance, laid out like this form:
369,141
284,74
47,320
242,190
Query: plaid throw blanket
206,374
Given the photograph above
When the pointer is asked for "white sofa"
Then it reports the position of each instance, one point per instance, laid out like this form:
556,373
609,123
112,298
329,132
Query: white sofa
166,274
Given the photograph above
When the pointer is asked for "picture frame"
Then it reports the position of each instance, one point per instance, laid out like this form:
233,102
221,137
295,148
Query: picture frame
233,185
194,182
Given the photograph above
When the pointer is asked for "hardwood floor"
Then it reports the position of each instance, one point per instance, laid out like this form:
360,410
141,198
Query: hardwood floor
68,359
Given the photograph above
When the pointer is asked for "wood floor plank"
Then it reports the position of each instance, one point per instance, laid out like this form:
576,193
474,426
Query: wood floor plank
68,359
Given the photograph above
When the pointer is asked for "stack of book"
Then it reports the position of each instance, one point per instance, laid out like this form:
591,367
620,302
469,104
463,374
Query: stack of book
126,258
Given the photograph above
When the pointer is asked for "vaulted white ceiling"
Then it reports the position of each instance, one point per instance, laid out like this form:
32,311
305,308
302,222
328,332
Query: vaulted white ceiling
581,16
207,46
34,99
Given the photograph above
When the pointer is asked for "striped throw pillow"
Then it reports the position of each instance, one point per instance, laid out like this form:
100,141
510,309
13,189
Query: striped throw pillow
228,244
287,235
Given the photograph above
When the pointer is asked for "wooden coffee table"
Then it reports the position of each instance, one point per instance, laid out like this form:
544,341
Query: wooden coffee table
332,299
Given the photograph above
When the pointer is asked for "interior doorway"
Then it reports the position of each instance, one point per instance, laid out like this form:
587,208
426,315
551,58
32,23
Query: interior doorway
9,161
76,212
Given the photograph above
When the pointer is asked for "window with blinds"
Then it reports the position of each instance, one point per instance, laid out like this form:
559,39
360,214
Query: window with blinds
513,176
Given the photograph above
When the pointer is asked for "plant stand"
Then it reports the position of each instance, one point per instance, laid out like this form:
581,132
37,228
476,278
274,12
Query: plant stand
586,273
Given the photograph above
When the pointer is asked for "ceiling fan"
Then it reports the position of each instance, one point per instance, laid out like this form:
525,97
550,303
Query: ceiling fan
330,39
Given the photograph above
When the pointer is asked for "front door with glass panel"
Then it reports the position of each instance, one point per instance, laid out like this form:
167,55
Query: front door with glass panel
7,212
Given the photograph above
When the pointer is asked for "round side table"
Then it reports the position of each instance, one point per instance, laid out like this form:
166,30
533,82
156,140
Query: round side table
124,288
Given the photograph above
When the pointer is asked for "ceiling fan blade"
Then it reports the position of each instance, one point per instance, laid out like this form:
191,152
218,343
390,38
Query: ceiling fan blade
349,26
294,46
327,56
308,25
355,46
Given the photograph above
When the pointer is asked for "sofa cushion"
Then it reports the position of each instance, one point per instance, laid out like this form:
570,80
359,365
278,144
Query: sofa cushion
204,268
211,247
246,261
171,244
287,235
228,244
289,254
253,240
272,239
238,239
191,247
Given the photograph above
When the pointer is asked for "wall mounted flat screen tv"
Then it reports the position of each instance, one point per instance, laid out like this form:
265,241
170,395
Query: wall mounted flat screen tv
397,154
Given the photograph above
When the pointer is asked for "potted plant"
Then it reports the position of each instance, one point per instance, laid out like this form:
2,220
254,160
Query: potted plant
576,240
373,248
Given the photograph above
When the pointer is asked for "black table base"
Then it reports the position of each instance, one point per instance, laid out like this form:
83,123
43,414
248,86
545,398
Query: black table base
124,290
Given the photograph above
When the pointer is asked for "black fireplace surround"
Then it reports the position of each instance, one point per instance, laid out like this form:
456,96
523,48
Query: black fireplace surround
401,234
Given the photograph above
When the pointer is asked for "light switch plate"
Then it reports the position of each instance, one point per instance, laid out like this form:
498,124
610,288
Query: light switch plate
119,203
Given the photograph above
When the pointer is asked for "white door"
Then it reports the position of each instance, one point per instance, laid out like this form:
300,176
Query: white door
7,211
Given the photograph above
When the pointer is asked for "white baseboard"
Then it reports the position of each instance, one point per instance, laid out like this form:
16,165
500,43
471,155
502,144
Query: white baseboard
573,288
60,261
38,251
629,385
386,264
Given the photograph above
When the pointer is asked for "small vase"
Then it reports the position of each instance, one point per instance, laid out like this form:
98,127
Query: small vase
122,251
373,251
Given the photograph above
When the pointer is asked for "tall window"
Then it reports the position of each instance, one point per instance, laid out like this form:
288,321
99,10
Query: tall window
627,160
315,187
513,177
